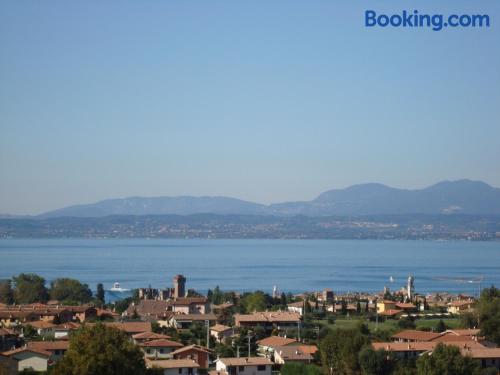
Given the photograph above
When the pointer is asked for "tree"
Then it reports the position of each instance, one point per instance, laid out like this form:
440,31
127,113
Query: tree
441,327
407,323
29,288
101,350
254,302
446,360
100,294
6,293
339,351
375,362
488,310
65,289
292,368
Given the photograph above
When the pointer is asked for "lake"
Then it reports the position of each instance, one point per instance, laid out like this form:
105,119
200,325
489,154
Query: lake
242,265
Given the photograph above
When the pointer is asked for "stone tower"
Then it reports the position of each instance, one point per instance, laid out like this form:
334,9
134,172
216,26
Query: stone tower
410,288
179,286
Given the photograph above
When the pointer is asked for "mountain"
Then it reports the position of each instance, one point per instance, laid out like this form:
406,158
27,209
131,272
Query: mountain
447,197
160,206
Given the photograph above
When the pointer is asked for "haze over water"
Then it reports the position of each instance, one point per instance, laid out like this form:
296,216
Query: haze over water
291,265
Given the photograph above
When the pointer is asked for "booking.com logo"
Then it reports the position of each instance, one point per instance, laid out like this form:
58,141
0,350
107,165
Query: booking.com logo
435,21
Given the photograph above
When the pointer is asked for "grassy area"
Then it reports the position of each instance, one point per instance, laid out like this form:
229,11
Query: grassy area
388,325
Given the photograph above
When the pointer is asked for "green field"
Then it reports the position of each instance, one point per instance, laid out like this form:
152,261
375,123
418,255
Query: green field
388,325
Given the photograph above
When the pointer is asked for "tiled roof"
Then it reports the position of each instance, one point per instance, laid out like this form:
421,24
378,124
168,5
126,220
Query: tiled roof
219,328
245,361
273,341
159,343
415,335
172,363
191,347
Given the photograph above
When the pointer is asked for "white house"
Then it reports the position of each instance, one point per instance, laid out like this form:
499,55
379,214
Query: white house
244,366
175,366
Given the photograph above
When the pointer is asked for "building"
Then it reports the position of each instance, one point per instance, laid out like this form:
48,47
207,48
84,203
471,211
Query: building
411,335
326,296
244,366
266,346
185,321
174,366
29,359
179,286
385,305
196,353
221,333
410,288
292,353
148,336
296,307
160,348
268,320
459,307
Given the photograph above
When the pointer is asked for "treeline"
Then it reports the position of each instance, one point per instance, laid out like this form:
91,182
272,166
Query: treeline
29,288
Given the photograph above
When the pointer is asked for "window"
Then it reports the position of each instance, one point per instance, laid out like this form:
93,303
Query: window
180,371
241,368
148,351
261,368
161,351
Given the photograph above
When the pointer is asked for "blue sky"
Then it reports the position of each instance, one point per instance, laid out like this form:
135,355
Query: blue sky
264,100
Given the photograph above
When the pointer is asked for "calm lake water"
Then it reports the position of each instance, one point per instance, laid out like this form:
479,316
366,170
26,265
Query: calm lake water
291,265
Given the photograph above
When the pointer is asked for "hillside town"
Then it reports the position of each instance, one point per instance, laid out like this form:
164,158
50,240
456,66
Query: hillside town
180,331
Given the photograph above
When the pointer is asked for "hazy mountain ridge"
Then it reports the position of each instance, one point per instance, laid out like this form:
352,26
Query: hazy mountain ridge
462,196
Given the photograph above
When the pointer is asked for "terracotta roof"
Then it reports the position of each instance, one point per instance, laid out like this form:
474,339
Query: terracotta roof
41,324
150,307
451,337
464,332
131,327
48,345
422,346
311,349
276,341
196,317
12,353
162,343
406,305
7,332
172,363
245,361
150,336
461,303
67,326
182,301
191,347
220,328
292,353
415,335
481,353
268,316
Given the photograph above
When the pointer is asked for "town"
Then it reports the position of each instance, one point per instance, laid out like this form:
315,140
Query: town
180,331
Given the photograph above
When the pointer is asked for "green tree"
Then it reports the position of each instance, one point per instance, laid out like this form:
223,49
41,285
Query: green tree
254,302
488,310
292,368
441,327
375,362
65,289
6,293
339,351
446,360
101,350
29,288
100,294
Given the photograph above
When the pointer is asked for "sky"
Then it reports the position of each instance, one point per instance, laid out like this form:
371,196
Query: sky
266,101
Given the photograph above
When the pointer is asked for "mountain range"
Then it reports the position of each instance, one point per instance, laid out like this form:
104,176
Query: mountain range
447,197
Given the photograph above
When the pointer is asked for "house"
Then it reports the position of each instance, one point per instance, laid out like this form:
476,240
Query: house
57,349
487,357
409,350
459,307
266,346
83,313
406,307
63,330
150,308
190,305
296,307
42,327
174,366
8,365
411,335
29,359
160,348
291,353
196,353
148,336
244,366
131,328
221,332
184,321
391,314
10,318
268,320
385,305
